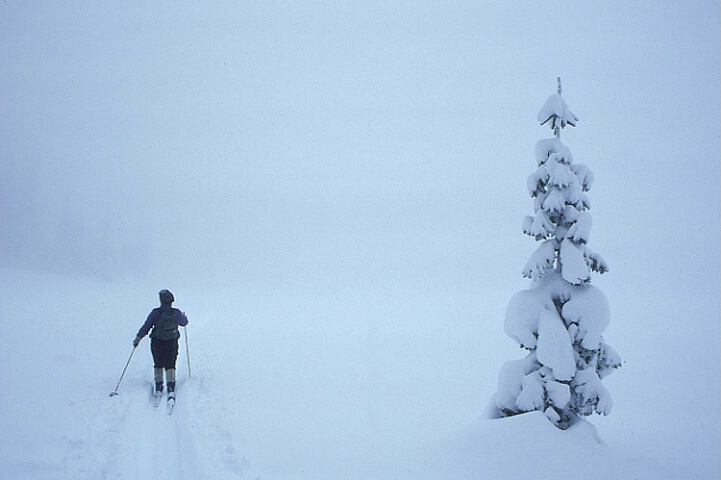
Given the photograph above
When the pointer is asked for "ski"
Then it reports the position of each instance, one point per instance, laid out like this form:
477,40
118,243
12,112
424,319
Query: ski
157,395
170,404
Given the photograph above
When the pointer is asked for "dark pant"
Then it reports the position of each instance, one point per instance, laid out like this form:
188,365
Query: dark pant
165,352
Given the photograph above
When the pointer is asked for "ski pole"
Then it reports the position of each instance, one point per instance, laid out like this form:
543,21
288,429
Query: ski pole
187,350
115,392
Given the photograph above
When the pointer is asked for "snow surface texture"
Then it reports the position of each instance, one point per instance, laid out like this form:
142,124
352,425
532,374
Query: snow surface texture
561,318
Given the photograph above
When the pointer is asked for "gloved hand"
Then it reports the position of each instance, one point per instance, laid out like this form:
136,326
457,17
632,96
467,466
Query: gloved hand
136,341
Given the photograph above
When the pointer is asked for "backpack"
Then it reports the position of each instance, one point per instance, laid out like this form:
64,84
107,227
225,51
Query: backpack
166,328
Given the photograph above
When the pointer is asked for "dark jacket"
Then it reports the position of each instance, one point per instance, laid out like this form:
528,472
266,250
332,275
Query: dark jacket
153,317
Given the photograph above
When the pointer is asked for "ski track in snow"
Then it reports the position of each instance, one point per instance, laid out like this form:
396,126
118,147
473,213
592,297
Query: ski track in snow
143,442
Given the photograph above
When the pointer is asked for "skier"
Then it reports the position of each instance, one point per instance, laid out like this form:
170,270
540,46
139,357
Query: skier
164,336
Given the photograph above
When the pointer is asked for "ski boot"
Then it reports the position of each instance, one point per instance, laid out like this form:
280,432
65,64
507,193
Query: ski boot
170,377
171,390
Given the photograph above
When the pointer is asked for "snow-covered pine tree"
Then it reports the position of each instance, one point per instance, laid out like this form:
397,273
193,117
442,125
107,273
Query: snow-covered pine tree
561,317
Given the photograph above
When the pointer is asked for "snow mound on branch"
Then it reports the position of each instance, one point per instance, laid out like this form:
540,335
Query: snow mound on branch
555,202
546,147
580,231
591,392
512,375
525,307
541,261
588,308
556,110
554,349
531,396
584,175
522,315
559,174
575,269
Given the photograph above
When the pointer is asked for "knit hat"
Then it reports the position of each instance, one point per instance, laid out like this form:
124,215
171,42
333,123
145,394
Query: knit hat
166,297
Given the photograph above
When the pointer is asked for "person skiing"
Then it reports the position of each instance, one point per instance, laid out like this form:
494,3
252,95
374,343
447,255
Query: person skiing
164,321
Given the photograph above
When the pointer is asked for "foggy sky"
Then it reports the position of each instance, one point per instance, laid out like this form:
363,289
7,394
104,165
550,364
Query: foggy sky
287,142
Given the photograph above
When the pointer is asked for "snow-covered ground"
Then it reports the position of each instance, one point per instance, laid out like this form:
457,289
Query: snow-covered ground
321,385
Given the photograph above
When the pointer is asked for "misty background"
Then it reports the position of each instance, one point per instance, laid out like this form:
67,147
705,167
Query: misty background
288,143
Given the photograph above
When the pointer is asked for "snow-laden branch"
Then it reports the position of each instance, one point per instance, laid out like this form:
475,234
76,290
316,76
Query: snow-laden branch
573,264
546,147
553,348
541,261
584,175
556,111
542,227
580,231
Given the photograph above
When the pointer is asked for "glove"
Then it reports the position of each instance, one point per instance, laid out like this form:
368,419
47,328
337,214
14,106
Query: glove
136,341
